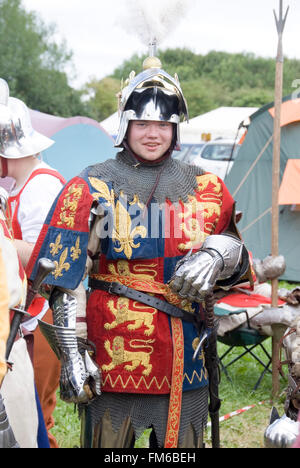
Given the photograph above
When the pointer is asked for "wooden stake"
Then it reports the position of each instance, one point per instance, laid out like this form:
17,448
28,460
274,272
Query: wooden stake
280,23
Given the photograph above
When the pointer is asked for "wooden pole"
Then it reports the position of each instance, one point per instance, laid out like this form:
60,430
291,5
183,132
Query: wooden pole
277,331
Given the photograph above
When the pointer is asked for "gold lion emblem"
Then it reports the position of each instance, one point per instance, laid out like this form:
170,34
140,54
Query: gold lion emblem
119,355
123,314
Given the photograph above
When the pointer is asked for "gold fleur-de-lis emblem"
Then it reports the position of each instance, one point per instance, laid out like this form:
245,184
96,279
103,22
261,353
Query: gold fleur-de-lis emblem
136,200
76,251
195,343
61,264
123,232
56,246
102,190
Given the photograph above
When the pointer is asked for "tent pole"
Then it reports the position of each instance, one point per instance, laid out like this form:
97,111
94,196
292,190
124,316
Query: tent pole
277,331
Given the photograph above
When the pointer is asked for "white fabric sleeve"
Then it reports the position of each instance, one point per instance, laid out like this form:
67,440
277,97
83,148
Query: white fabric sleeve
17,288
35,203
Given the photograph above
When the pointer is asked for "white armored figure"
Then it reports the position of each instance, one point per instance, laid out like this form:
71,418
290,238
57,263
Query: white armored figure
283,432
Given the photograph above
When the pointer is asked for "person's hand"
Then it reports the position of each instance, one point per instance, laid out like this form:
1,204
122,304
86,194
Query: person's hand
196,275
218,259
80,379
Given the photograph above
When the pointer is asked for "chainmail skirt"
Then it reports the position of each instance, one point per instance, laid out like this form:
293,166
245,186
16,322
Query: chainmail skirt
146,411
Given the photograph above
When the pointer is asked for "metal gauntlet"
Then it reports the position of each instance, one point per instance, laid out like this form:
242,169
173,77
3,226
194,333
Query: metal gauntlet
80,378
219,259
282,432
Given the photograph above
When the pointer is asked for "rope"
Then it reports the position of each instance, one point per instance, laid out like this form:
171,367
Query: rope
255,220
252,166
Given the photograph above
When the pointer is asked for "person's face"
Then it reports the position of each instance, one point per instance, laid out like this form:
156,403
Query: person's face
150,139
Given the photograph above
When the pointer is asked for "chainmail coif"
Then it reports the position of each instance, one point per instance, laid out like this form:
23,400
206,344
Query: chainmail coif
177,180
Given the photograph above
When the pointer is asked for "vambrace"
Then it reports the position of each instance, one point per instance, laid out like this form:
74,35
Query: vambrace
7,438
80,377
222,260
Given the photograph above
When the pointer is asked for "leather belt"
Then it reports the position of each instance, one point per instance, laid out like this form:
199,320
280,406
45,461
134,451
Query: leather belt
121,290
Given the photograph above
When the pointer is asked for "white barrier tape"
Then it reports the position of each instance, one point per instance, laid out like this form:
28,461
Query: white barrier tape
235,413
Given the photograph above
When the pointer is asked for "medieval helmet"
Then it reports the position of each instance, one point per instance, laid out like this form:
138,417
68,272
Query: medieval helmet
17,137
151,95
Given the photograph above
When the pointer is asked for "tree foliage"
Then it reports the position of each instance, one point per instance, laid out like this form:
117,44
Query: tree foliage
33,64
104,97
37,69
220,78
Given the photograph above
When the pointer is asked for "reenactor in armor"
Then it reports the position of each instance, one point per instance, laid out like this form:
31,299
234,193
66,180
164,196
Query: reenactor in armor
35,187
7,438
154,236
18,410
4,317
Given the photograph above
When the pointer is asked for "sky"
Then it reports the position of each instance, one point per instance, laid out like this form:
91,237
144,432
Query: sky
104,33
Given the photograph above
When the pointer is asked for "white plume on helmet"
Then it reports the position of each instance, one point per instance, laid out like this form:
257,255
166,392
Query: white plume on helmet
152,94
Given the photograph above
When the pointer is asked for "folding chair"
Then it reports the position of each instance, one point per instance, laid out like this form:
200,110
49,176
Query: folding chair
247,338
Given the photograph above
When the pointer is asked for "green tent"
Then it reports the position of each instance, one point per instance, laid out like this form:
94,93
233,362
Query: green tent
250,183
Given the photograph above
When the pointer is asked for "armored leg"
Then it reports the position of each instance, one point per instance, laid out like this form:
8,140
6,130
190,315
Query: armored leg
7,438
116,420
102,435
191,440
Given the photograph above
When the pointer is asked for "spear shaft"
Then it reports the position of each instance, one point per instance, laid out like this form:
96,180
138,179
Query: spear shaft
280,23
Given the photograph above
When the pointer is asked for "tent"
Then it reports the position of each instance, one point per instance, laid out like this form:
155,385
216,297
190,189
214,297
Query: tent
111,124
219,123
250,183
79,142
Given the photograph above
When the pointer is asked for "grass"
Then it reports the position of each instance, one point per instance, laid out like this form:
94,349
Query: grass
246,430
67,425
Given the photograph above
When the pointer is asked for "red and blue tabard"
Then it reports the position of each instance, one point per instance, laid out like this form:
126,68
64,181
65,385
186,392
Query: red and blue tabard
12,213
139,349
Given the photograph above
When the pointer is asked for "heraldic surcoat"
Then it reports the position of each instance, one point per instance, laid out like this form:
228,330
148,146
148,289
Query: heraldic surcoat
138,348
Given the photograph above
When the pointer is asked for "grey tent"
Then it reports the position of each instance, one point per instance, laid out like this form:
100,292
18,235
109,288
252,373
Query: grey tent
250,183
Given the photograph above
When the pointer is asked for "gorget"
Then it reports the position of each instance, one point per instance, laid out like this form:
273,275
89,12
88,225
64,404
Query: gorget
176,180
